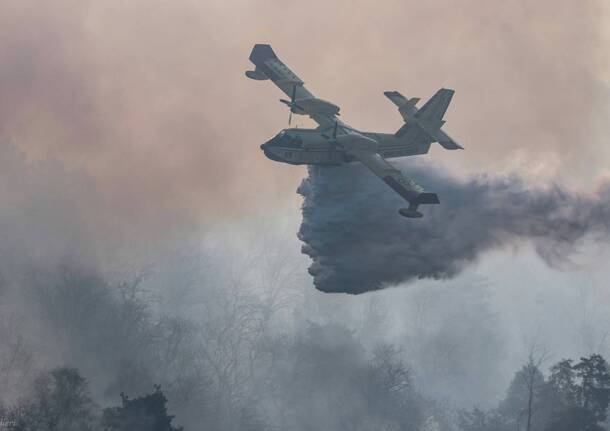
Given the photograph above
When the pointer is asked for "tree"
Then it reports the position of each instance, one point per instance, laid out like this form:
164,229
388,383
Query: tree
146,413
526,405
389,391
562,382
479,420
60,402
574,398
582,392
594,389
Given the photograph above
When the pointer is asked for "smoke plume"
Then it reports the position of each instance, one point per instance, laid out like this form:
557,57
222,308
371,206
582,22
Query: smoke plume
358,242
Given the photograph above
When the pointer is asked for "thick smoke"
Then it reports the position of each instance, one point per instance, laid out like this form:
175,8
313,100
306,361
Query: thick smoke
358,242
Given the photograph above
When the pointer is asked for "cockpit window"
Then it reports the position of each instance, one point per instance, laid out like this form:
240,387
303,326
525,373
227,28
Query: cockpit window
284,139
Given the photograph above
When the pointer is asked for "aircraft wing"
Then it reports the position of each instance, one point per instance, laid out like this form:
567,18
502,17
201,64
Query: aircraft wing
405,187
302,101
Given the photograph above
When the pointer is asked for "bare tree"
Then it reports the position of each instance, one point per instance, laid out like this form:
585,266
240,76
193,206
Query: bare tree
532,369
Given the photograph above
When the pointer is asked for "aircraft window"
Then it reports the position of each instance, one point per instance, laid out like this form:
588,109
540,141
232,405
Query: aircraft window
283,139
291,141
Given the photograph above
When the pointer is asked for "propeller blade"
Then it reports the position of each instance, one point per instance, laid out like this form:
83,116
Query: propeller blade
290,103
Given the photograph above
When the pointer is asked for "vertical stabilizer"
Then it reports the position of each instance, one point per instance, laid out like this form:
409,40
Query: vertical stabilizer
435,108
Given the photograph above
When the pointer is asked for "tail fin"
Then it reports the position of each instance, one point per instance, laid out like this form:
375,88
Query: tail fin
435,108
429,117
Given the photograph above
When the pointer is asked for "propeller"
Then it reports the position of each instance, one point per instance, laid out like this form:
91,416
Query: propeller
291,104
334,135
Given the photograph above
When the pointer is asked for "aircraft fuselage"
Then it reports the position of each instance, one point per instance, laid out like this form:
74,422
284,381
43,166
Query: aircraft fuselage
314,147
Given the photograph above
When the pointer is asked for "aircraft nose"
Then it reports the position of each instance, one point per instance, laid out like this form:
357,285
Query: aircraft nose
270,152
266,149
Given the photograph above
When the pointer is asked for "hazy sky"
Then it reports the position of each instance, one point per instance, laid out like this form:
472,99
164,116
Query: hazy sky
134,123
149,100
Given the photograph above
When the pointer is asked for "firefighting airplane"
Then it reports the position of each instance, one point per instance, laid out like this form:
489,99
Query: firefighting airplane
334,142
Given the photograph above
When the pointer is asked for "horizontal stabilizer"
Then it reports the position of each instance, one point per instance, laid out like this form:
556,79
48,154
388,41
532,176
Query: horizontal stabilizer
406,107
396,98
446,141
450,145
